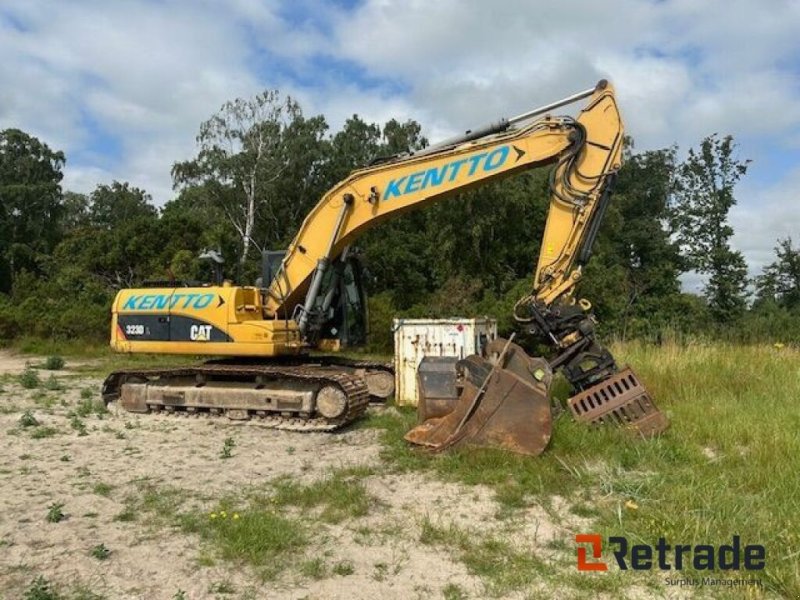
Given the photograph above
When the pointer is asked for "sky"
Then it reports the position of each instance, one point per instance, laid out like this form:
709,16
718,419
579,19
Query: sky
122,87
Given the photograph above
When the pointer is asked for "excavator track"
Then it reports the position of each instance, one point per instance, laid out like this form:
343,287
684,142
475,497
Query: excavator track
259,382
379,376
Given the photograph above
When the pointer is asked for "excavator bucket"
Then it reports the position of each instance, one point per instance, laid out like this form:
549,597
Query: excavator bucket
504,402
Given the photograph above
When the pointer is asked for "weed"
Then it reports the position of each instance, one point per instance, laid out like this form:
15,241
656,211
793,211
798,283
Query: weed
314,568
119,435
103,489
453,591
28,420
88,406
78,425
290,450
343,568
255,536
54,363
53,384
179,595
341,495
29,379
41,589
55,514
43,432
100,552
222,587
227,448
381,570
87,394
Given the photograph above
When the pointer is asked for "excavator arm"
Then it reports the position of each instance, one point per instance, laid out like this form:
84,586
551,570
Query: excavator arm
586,151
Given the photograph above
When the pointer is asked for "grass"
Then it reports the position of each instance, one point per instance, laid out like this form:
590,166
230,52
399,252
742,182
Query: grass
726,466
339,496
261,538
42,432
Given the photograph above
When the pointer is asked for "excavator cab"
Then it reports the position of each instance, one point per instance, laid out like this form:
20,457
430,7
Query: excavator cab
340,305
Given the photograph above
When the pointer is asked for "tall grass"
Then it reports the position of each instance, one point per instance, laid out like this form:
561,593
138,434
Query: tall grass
727,466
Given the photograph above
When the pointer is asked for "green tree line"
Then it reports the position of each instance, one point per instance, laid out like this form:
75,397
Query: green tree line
261,165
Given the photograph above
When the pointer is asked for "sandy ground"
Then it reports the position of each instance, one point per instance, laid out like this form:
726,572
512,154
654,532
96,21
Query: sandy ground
123,450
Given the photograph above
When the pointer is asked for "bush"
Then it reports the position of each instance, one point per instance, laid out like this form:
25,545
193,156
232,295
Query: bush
29,379
54,363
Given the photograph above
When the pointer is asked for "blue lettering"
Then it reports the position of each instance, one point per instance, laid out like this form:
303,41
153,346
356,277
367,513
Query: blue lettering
161,301
393,188
414,182
130,303
474,161
189,299
174,300
147,302
203,301
456,165
434,177
496,158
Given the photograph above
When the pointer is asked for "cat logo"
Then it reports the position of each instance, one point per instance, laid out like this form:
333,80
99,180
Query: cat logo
200,333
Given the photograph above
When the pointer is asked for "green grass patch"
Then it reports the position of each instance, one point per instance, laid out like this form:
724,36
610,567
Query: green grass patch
340,496
254,536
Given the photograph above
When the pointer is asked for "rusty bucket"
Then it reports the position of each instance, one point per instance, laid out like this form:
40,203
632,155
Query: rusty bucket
504,402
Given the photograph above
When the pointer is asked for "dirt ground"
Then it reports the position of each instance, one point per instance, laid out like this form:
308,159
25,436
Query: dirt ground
93,474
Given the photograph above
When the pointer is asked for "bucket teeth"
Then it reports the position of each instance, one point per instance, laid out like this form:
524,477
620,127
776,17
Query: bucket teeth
620,401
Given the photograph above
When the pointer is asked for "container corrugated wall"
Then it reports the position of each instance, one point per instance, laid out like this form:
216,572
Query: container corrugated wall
415,339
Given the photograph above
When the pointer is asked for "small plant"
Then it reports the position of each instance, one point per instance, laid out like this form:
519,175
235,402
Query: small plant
54,513
103,489
43,432
314,568
87,393
453,591
343,568
65,458
54,363
227,448
290,450
78,425
222,587
28,420
53,384
29,379
100,552
119,435
40,589
179,595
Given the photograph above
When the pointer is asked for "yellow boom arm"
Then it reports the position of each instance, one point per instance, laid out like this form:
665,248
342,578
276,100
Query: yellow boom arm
587,151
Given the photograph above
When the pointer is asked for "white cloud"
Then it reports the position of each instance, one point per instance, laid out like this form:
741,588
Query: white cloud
149,72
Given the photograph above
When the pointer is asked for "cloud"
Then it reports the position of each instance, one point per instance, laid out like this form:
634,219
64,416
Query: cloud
123,86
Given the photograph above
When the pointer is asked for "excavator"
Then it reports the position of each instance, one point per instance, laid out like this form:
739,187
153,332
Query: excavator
261,339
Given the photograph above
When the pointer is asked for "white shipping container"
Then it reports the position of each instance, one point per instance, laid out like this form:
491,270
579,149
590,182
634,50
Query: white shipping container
414,339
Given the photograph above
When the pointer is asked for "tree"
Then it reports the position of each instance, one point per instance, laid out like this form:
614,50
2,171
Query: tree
30,202
703,196
243,157
111,206
780,281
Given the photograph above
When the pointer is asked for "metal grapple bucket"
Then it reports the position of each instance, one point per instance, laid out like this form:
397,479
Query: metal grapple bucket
500,401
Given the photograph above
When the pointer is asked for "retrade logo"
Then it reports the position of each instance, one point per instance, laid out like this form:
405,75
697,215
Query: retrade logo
597,549
667,557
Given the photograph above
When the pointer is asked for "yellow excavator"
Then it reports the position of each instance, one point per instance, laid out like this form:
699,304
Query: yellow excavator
261,337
